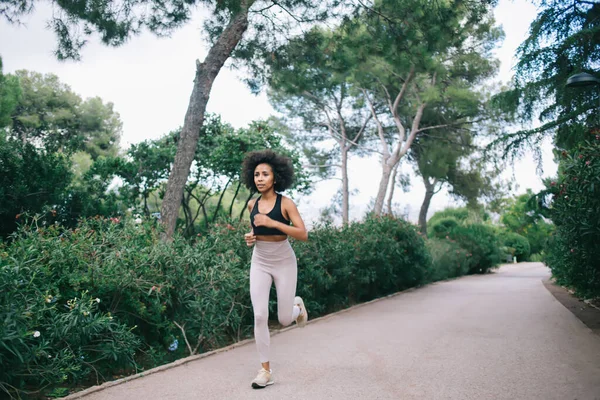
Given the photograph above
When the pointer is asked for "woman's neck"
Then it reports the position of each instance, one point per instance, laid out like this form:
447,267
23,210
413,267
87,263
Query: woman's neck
270,195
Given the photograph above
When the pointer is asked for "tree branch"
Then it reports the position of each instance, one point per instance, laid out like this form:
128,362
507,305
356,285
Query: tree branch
182,329
321,166
384,146
360,132
414,130
402,91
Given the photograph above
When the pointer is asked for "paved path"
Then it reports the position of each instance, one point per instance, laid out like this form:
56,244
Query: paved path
497,336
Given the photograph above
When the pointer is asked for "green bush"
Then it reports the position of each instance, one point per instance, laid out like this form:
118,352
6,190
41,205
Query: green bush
459,214
462,215
519,243
31,179
524,217
449,260
443,226
150,294
339,267
482,243
573,251
110,298
537,257
49,337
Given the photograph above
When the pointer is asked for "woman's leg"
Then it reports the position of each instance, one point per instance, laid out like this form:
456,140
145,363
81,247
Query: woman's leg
260,286
285,277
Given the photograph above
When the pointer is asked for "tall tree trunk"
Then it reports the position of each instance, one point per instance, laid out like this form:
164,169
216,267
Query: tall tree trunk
345,185
386,173
146,209
392,187
246,205
391,159
220,201
237,190
206,223
187,212
206,73
429,192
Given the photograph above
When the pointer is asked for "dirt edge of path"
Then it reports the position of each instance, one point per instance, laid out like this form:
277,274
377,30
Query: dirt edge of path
585,312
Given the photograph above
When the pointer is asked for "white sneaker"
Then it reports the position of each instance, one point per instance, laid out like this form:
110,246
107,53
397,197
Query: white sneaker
302,318
263,379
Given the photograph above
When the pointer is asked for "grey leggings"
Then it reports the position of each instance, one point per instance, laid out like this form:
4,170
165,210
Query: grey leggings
272,261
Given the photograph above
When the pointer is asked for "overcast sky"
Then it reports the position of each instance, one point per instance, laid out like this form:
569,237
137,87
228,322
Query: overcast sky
149,80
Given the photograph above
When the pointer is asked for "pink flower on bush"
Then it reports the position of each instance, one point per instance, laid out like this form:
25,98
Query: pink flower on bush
572,250
552,183
588,162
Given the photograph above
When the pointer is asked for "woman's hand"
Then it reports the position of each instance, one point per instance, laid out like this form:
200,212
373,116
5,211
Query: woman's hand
263,220
250,238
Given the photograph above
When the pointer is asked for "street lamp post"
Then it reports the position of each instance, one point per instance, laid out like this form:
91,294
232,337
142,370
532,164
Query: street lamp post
584,79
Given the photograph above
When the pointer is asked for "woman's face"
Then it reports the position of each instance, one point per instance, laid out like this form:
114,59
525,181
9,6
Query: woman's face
263,177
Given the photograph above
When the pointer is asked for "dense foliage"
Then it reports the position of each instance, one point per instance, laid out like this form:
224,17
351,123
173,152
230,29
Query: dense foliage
518,245
573,250
80,306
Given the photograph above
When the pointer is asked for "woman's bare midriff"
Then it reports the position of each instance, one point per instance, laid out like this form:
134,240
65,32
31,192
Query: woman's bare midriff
271,238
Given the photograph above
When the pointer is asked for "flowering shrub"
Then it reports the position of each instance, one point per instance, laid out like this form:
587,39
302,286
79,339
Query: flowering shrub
49,340
573,251
79,306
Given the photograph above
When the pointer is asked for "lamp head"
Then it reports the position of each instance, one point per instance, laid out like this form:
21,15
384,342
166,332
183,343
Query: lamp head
582,79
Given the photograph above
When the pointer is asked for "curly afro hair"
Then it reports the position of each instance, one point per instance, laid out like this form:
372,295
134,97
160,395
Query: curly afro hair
283,169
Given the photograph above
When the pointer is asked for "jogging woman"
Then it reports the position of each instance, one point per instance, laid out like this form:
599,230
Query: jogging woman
273,218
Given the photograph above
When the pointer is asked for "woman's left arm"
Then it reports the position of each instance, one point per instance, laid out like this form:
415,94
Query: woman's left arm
297,230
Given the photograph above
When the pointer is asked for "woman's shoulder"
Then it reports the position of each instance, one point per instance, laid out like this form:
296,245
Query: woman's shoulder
251,203
286,201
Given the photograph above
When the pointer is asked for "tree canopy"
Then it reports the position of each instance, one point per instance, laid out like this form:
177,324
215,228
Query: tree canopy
564,39
49,113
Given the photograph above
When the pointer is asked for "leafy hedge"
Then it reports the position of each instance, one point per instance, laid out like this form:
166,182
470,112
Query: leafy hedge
443,226
109,298
449,259
573,251
339,267
481,243
55,336
519,243
457,244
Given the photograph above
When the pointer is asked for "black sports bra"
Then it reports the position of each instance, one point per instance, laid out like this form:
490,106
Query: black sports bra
275,214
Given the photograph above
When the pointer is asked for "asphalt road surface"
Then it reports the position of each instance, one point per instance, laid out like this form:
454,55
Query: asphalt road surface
496,336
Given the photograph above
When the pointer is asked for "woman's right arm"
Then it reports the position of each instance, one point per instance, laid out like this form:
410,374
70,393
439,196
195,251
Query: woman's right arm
249,237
